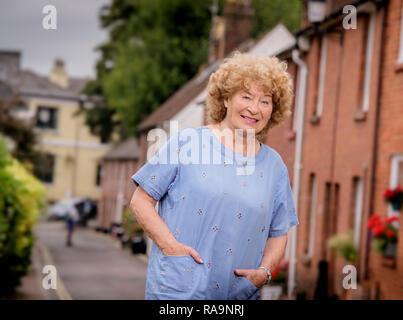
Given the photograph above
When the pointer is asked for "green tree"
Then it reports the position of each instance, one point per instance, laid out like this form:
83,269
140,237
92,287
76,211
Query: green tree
17,130
270,12
156,46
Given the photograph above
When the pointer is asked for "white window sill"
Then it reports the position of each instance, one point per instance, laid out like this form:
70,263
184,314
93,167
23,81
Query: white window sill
399,66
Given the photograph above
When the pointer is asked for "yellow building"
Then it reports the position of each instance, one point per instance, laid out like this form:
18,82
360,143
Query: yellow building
72,155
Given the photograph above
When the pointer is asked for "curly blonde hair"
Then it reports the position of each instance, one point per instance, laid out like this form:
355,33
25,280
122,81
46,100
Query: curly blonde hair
238,72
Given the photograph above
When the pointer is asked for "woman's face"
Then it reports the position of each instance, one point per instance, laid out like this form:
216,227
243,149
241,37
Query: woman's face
249,109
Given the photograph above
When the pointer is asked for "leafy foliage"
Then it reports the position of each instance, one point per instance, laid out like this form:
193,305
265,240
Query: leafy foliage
22,134
21,201
343,245
130,225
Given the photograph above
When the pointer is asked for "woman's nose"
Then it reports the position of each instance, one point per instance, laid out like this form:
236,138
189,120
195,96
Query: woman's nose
252,107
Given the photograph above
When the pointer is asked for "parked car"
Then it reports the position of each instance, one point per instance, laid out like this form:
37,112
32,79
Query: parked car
86,208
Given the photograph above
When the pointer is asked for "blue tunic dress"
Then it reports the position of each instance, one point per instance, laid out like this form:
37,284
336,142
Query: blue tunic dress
223,204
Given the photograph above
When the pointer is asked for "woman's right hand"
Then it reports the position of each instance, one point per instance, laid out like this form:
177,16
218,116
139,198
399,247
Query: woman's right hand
180,249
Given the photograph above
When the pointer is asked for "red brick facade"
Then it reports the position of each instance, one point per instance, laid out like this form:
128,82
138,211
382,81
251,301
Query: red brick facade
346,146
390,142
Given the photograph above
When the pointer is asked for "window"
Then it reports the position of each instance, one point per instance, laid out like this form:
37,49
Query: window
396,176
400,57
369,25
358,198
310,226
44,167
46,118
98,175
326,223
321,76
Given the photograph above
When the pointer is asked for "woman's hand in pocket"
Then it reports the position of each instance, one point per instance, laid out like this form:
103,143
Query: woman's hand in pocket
180,249
257,276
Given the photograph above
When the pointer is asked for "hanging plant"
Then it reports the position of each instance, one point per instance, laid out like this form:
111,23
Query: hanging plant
394,197
385,234
343,245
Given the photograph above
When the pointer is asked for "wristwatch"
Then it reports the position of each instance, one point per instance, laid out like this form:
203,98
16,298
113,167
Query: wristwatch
268,274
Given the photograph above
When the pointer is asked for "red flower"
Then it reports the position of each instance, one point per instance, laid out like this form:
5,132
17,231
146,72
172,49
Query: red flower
398,189
388,194
374,221
391,219
274,274
378,230
390,233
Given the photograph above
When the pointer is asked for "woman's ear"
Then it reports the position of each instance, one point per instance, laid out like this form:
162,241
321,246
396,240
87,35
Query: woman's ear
226,103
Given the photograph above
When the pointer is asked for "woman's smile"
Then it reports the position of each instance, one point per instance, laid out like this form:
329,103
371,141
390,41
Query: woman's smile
249,120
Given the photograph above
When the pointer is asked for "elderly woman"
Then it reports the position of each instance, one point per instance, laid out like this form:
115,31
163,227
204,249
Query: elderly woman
221,226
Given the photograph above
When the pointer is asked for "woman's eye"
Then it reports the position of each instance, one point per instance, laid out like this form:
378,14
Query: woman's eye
265,102
246,97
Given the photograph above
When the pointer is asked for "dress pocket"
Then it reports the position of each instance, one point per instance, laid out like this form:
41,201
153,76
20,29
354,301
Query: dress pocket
177,273
243,289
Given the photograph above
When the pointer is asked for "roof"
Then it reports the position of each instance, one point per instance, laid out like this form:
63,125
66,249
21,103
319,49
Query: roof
336,15
179,99
31,83
273,42
128,149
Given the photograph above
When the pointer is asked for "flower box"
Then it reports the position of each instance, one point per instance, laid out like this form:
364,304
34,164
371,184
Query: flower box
394,197
385,235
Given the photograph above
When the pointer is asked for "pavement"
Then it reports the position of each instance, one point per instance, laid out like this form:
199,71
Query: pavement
96,267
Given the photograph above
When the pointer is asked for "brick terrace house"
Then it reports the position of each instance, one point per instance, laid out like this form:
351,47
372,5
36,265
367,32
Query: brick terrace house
352,149
116,188
389,146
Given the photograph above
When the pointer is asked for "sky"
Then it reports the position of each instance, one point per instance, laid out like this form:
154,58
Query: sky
77,35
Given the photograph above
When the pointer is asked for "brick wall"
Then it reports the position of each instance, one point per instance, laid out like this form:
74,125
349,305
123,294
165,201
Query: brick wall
336,149
390,140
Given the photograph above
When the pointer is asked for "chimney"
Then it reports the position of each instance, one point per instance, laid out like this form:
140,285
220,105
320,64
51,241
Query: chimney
9,65
58,74
216,47
229,31
238,16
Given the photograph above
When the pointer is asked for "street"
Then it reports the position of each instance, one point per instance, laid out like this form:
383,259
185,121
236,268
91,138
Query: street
95,267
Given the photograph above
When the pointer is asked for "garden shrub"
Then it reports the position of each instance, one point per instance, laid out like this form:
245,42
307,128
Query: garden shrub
21,201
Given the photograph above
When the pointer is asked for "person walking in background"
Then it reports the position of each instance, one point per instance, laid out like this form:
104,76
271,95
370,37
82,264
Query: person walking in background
221,228
71,220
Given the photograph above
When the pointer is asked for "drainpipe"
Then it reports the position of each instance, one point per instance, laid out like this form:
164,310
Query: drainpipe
300,108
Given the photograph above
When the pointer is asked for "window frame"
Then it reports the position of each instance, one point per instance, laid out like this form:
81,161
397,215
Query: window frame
39,174
396,159
365,99
400,53
358,186
55,111
321,76
311,212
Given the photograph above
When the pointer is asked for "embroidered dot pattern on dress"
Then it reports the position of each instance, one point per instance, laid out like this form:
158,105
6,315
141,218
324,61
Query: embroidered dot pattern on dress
188,209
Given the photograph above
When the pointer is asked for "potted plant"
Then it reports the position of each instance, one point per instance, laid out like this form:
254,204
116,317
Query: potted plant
394,197
278,276
385,234
343,245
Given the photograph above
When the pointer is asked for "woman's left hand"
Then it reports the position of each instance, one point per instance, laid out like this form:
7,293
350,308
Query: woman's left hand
257,276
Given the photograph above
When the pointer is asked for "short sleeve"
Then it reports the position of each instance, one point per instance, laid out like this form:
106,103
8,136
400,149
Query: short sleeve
158,174
284,215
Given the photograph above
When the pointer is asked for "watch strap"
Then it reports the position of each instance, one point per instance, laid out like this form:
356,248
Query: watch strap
268,274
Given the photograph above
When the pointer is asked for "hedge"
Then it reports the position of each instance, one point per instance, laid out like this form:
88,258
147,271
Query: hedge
22,199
